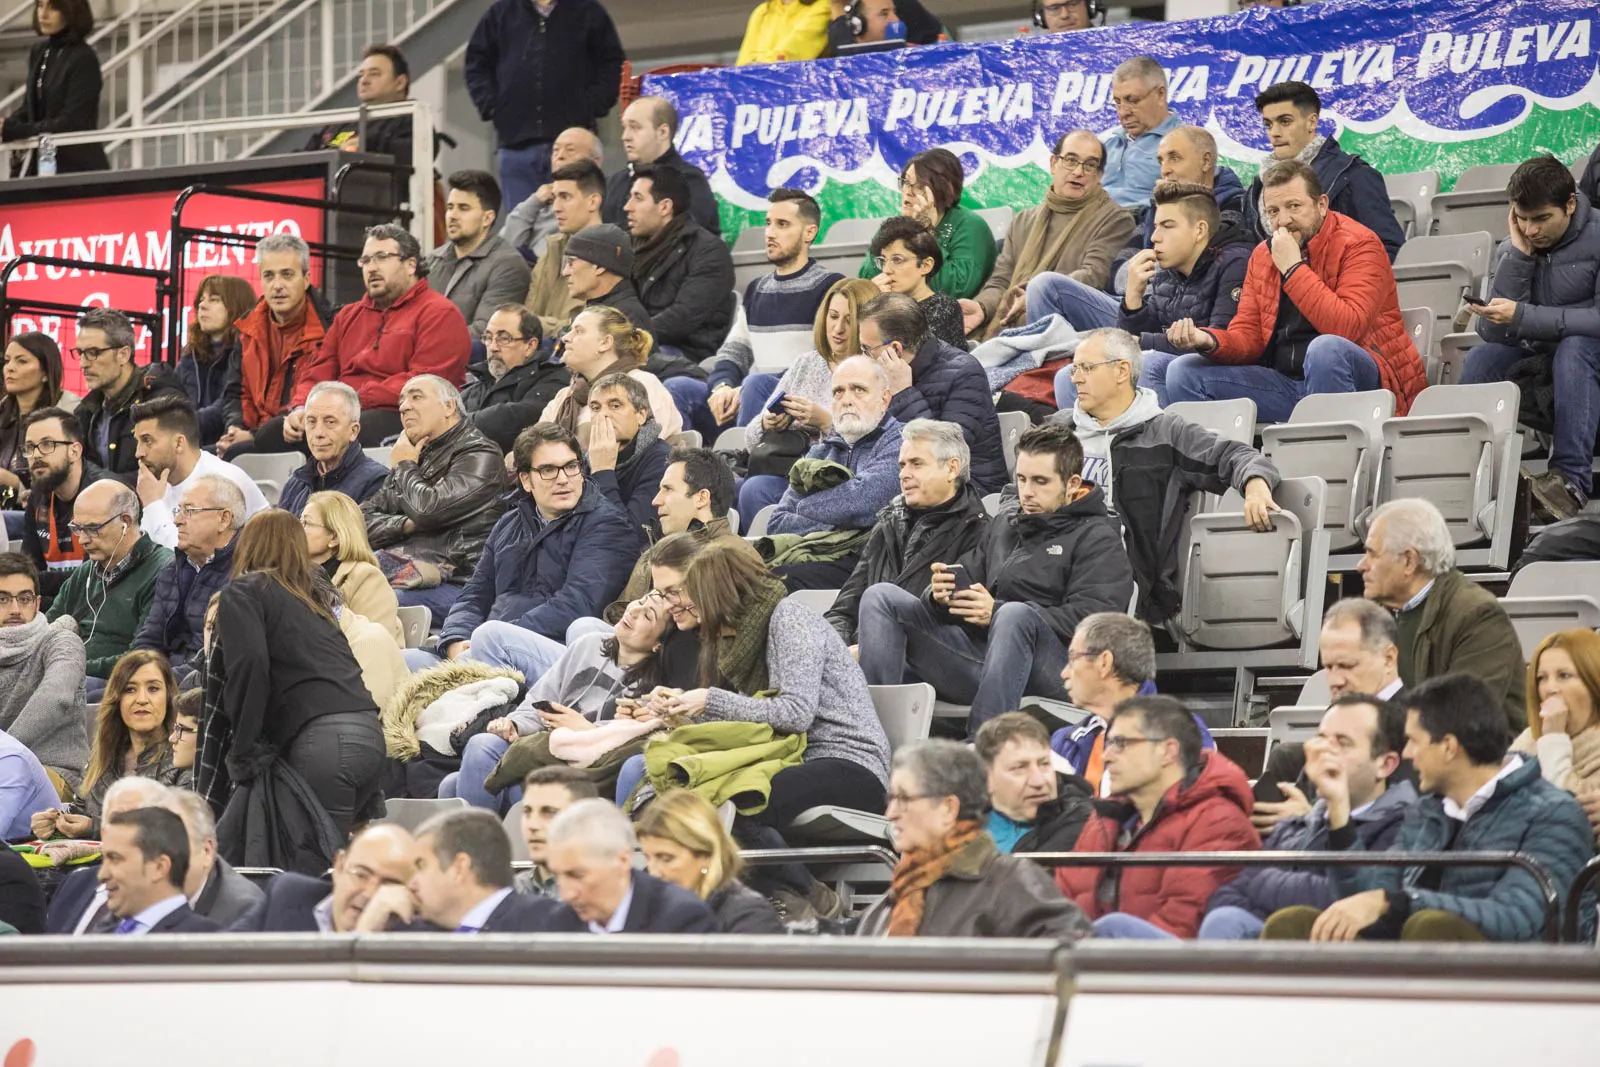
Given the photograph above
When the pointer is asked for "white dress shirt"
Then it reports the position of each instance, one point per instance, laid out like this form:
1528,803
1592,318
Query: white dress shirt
156,912
157,522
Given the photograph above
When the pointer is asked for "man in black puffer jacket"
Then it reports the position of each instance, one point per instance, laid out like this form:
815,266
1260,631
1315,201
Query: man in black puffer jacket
937,518
683,271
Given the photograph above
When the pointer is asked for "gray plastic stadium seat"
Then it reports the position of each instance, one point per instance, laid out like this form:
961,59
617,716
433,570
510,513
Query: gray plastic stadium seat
1411,196
818,600
844,245
270,470
750,256
685,439
758,523
730,440
413,813
1557,578
1339,437
991,504
1419,324
414,620
1315,691
1452,356
1231,419
381,453
733,520
1478,202
1434,272
906,713
1551,596
513,824
999,220
1013,424
1459,448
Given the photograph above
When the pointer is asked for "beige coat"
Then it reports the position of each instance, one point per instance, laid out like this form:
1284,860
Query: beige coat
662,406
549,296
383,668
366,593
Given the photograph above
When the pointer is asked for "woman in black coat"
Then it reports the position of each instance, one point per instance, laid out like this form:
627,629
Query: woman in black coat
685,843
62,94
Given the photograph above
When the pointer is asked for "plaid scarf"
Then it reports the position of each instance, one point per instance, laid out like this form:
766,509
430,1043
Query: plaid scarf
917,870
211,779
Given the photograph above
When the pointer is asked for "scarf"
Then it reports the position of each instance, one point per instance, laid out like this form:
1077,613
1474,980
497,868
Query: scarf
917,870
628,455
1036,256
742,658
1305,155
18,643
576,399
650,251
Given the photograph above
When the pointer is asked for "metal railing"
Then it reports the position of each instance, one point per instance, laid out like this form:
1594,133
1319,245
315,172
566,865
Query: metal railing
1546,884
152,320
1572,920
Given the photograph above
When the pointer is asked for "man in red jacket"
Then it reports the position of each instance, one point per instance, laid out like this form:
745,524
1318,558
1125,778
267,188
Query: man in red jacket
399,330
1167,796
1318,313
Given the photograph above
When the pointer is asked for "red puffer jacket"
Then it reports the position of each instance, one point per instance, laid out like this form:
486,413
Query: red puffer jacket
1209,814
1348,292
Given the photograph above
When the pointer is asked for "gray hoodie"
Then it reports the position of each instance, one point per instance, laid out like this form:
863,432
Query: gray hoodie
1095,437
583,679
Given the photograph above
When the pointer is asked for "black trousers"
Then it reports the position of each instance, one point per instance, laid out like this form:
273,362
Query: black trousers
827,574
341,756
813,784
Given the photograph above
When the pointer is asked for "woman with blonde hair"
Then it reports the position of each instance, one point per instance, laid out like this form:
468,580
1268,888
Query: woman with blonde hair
131,732
602,341
336,537
202,369
807,391
1563,716
685,843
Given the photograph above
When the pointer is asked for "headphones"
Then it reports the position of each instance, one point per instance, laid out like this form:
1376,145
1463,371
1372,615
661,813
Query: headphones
1097,10
856,19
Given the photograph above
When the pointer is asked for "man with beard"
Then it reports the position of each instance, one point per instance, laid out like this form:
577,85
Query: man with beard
60,471
774,324
476,270
1319,313
509,389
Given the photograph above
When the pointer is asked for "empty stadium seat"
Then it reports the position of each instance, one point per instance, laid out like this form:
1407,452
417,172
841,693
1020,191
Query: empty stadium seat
1232,419
1478,202
991,504
730,440
1013,424
685,439
733,520
1411,196
1315,690
844,245
906,712
270,470
383,454
758,523
750,257
1459,449
999,220
414,621
413,813
1548,597
1296,724
1452,356
1434,272
1419,324
1339,437
818,600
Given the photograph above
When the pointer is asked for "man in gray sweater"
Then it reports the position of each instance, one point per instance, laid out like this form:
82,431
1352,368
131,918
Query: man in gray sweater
41,674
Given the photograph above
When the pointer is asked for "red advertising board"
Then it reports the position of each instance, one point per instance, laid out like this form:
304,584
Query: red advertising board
135,230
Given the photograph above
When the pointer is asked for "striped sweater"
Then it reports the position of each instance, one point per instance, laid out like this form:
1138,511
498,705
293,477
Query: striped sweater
774,324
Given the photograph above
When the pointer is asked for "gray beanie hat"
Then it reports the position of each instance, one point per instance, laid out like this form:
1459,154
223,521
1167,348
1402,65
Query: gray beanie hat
607,247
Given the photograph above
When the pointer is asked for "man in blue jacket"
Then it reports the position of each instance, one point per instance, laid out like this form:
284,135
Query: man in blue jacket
1357,749
338,463
1480,800
532,580
930,379
534,69
1290,111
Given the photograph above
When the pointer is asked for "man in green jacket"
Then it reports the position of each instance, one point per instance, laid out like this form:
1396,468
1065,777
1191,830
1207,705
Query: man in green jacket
1447,622
109,595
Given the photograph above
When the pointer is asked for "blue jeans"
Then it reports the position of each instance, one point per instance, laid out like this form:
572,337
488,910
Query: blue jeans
588,625
522,171
629,777
689,395
437,600
1152,376
1022,654
753,396
499,644
1120,924
757,492
1576,368
1333,365
478,761
1230,924
1084,308
93,689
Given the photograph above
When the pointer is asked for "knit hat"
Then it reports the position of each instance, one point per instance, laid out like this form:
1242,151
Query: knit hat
607,247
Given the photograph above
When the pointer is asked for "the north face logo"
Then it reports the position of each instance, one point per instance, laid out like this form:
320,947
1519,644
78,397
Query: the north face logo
1238,291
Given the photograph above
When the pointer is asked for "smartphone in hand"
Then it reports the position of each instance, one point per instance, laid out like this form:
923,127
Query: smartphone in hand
963,579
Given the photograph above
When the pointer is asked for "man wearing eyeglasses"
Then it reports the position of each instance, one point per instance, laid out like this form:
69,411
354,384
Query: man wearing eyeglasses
383,854
400,329
105,352
1139,91
562,552
59,470
513,385
41,682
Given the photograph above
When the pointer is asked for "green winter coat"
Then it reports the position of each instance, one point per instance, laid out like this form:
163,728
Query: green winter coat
111,620
723,761
1463,628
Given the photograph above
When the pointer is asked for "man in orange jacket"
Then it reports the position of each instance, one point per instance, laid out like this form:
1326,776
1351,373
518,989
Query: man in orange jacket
1318,313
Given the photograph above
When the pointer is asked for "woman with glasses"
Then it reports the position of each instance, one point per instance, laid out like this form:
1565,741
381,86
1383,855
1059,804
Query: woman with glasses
32,371
132,732
907,255
213,347
41,674
930,192
951,880
336,537
684,842
284,687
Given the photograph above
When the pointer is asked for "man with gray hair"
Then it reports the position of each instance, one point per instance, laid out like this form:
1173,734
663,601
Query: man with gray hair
1446,621
1148,461
104,349
938,516
1139,91
338,463
429,518
280,335
591,856
401,328
213,887
79,906
208,518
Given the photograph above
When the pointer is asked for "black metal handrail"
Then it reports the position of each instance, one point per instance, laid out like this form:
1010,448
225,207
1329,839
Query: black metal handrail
1547,885
1572,919
153,319
766,857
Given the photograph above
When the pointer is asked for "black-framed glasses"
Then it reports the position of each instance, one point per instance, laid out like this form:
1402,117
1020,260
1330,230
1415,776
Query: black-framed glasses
25,599
550,471
1121,744
377,257
1073,163
45,446
90,529
180,731
81,354
186,512
500,340
878,351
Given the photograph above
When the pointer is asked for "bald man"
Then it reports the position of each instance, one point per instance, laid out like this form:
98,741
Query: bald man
532,221
648,127
383,854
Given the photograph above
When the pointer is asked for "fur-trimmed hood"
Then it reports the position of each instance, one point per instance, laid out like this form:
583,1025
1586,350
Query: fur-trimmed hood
424,687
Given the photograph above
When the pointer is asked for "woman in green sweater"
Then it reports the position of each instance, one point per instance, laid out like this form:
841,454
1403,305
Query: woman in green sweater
930,191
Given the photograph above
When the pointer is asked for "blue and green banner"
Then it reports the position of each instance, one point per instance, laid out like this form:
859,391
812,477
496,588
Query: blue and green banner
1411,85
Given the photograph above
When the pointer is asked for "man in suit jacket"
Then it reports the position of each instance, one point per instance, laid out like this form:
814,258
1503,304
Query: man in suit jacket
591,855
79,904
144,860
213,887
463,883
383,854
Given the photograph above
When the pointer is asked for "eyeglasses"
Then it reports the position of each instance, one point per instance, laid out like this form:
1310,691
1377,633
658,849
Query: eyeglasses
878,351
500,340
185,512
1120,744
1067,5
1081,370
674,596
1073,163
180,731
550,471
902,799
81,354
45,446
377,257
308,524
90,529
885,262
26,600
1132,101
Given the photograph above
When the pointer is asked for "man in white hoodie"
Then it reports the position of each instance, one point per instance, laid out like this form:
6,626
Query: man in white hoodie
1148,460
